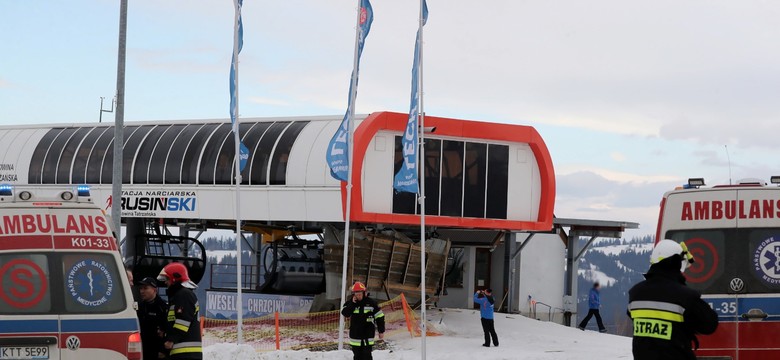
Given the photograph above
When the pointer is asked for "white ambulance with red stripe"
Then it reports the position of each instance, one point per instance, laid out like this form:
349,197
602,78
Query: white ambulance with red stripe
733,232
65,294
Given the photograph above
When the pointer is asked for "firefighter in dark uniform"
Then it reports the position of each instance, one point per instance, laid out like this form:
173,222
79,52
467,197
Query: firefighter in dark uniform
666,313
363,312
153,318
183,334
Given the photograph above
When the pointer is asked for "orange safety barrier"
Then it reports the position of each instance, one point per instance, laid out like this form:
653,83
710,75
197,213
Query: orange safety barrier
276,316
313,331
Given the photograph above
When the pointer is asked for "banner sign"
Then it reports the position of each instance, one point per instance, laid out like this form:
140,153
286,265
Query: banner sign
223,304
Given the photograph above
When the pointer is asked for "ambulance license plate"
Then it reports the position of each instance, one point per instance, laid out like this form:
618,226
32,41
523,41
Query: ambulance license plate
24,352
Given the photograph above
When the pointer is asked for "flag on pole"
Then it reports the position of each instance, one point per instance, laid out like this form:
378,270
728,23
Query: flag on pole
338,152
406,178
243,152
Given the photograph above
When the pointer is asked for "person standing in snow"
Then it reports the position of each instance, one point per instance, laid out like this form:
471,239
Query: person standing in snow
182,336
486,301
594,304
666,313
363,312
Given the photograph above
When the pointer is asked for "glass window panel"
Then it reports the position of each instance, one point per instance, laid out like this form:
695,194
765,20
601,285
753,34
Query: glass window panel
36,164
29,291
282,153
498,181
452,178
432,175
107,175
224,173
474,184
79,173
175,162
189,166
144,156
262,153
92,284
66,158
251,139
98,154
160,154
403,202
130,150
53,156
208,162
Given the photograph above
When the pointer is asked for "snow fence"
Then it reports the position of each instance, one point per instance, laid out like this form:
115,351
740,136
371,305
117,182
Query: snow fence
312,331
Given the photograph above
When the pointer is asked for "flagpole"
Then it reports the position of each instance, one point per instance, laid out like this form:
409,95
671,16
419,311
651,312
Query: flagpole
350,143
240,307
421,167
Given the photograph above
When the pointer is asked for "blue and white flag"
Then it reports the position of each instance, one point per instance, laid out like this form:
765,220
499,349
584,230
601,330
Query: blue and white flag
406,178
239,27
338,149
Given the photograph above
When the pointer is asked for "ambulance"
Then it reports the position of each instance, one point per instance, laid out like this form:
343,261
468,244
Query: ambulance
65,294
733,232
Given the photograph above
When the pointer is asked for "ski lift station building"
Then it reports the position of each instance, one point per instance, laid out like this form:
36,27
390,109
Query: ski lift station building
486,184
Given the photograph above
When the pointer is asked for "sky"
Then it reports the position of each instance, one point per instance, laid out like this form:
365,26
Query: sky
631,97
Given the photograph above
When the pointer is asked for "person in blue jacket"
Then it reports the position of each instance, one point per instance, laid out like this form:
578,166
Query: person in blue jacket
485,300
594,303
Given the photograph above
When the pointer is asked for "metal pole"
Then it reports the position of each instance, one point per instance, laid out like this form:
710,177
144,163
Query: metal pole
350,143
421,169
119,123
237,140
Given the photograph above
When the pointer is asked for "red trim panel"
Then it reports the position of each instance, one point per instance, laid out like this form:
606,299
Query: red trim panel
23,242
461,129
110,341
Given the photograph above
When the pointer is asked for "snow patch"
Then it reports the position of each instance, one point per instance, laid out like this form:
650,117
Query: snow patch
594,275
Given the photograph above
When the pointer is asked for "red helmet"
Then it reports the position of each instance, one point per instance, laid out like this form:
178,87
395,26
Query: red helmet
176,273
358,287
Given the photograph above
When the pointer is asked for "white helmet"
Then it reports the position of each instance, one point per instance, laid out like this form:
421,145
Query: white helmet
667,248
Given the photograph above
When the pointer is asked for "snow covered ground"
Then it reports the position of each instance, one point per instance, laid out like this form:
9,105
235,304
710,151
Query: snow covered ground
519,337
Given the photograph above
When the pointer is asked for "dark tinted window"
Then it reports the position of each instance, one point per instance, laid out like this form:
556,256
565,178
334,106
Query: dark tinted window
160,154
189,166
36,164
474,185
718,254
92,284
29,291
262,154
432,175
79,173
53,156
66,158
452,178
497,181
175,160
129,152
98,154
225,164
251,140
282,153
403,202
208,162
144,156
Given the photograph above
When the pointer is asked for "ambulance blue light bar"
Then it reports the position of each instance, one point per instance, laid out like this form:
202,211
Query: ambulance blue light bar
6,190
82,190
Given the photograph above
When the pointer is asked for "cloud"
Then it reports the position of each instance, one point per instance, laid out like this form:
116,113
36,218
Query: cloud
617,156
586,194
268,101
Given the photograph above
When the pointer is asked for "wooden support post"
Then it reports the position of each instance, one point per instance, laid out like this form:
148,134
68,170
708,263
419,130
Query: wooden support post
408,260
390,264
370,260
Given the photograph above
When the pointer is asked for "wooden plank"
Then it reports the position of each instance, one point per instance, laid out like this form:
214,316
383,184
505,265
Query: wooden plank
390,263
370,260
406,269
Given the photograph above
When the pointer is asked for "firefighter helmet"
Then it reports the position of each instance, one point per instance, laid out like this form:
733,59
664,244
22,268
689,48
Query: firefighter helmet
176,273
665,249
358,287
